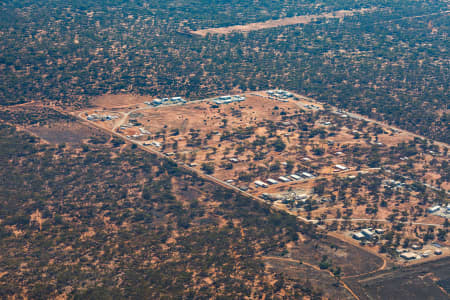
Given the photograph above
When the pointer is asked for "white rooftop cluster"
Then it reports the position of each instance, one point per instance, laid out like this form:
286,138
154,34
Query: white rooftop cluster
280,94
229,99
286,178
173,100
94,117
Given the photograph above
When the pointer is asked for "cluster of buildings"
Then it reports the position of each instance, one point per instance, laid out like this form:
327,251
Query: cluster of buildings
125,126
315,107
341,113
144,131
442,210
393,184
410,255
173,100
229,99
280,94
286,178
97,117
153,143
367,234
292,197
134,136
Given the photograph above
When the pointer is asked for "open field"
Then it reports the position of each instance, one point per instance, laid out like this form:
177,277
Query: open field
66,132
117,101
351,259
281,22
308,277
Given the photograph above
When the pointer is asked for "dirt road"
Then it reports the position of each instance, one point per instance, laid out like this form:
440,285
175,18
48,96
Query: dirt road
317,268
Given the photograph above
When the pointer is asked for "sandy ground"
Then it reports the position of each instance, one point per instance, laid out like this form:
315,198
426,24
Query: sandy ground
281,22
122,100
64,132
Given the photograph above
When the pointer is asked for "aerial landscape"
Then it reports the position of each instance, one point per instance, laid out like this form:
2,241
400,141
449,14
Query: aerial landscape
193,149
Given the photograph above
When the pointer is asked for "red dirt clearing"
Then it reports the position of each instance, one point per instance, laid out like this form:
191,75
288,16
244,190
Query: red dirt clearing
281,22
121,100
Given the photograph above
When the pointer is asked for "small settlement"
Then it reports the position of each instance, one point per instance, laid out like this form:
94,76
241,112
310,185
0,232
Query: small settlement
329,166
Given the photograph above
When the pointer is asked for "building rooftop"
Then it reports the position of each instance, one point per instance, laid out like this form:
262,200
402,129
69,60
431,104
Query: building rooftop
408,255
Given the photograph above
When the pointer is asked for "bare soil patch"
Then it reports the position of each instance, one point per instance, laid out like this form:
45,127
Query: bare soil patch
351,259
281,22
309,277
121,100
64,132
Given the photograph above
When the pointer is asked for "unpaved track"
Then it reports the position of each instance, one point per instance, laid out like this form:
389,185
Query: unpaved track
305,19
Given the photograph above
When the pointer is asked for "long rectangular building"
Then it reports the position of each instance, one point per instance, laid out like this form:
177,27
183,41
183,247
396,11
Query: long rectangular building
259,183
